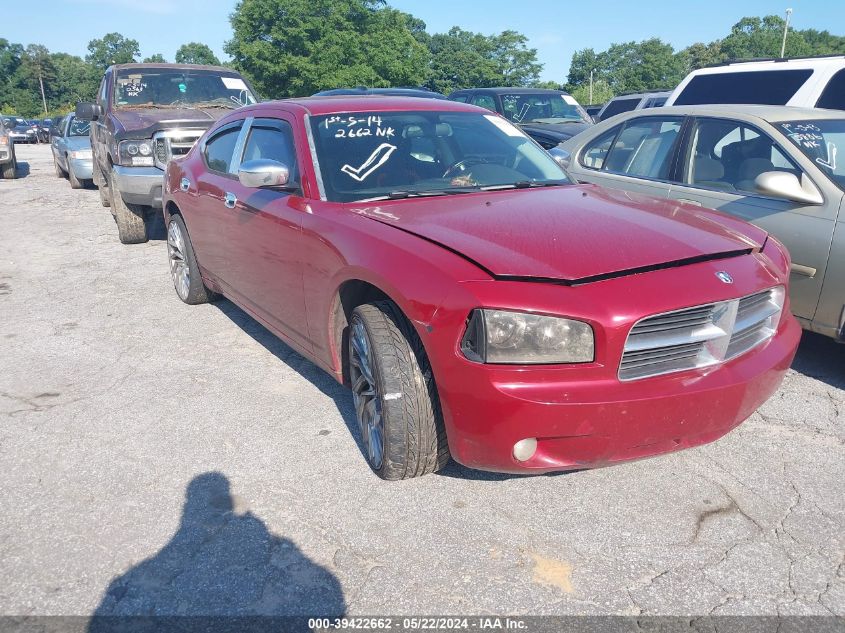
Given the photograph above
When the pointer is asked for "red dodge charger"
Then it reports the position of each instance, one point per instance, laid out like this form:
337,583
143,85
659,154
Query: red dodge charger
479,303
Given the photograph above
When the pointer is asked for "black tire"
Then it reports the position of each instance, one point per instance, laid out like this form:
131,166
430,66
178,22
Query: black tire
75,183
195,291
102,186
131,228
414,438
9,171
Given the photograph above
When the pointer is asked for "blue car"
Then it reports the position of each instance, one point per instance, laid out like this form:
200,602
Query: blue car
71,145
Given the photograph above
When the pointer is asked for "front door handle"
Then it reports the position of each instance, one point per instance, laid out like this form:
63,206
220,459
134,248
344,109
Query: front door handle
184,184
230,200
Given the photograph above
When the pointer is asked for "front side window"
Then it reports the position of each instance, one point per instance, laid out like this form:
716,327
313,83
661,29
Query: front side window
459,98
271,139
729,155
174,87
820,141
542,108
767,87
399,154
644,148
220,148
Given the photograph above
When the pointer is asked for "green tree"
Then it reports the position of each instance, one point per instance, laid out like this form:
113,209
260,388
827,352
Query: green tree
297,47
699,55
761,37
463,59
196,53
156,58
112,48
601,92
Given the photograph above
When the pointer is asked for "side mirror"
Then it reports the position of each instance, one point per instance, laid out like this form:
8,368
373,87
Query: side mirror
784,184
88,111
262,172
561,156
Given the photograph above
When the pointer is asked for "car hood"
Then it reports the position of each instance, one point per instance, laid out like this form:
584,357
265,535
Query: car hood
78,142
138,123
563,131
576,233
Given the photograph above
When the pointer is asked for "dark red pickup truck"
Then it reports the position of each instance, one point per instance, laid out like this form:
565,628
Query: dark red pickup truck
144,115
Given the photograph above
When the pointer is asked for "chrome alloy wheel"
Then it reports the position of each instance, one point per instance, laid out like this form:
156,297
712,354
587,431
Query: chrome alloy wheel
178,264
365,395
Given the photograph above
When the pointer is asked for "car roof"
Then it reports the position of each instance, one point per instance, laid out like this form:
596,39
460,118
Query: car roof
764,112
400,91
141,66
641,95
505,90
367,103
751,65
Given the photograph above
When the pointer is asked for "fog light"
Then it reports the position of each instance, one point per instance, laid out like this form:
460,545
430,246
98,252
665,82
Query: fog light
524,450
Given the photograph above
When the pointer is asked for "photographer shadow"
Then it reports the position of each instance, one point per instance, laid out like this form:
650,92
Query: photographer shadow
222,570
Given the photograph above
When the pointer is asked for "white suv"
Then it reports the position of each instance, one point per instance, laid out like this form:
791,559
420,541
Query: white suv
810,82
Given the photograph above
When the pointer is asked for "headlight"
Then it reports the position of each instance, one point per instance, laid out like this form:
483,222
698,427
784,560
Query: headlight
4,140
135,153
499,336
81,154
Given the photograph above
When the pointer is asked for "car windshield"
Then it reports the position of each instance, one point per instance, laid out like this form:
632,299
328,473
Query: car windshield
166,87
404,154
79,127
820,140
542,108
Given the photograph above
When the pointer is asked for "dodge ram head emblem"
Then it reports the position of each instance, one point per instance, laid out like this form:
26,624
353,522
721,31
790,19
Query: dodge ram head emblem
724,277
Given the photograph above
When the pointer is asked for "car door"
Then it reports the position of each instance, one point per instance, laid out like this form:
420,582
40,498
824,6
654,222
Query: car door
59,144
720,162
99,128
637,155
209,215
265,234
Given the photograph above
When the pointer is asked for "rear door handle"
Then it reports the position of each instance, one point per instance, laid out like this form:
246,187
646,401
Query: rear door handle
230,200
184,184
687,201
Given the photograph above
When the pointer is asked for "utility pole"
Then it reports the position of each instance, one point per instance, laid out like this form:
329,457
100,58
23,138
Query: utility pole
591,87
43,98
785,29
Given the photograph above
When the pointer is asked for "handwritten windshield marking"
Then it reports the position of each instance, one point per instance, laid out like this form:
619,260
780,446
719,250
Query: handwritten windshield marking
378,158
830,163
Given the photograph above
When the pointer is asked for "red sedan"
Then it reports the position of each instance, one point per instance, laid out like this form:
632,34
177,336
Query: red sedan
478,302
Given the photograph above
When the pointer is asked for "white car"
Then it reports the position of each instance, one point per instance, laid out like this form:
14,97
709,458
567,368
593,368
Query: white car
809,82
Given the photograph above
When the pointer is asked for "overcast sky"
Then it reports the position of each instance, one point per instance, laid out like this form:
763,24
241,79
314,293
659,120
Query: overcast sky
556,28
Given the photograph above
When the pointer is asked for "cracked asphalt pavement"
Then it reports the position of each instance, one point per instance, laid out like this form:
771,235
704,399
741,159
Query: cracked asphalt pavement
163,458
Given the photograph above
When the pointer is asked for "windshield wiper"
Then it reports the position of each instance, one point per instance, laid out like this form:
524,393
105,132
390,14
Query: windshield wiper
401,195
527,184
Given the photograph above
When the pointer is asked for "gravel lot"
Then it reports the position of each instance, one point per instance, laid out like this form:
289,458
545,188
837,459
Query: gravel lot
162,458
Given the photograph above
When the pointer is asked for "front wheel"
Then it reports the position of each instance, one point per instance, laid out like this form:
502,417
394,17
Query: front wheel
394,394
60,173
131,228
183,264
9,169
75,183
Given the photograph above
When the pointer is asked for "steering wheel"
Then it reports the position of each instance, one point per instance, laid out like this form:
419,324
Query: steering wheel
461,166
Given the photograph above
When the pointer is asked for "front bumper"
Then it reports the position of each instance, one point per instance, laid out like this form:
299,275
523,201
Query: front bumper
139,185
22,138
83,168
583,416
591,424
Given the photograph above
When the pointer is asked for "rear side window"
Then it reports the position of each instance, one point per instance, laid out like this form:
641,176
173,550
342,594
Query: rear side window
485,101
766,87
220,148
833,97
461,98
619,105
644,148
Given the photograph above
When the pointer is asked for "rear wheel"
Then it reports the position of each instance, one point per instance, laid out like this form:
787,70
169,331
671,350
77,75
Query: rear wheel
131,228
394,394
183,264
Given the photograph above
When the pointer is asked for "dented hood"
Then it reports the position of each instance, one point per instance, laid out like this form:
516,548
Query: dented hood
572,233
142,123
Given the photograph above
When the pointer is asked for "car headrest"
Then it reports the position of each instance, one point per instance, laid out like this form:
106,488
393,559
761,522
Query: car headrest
707,168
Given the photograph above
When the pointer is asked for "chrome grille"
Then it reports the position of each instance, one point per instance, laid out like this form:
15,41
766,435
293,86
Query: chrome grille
173,144
700,336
